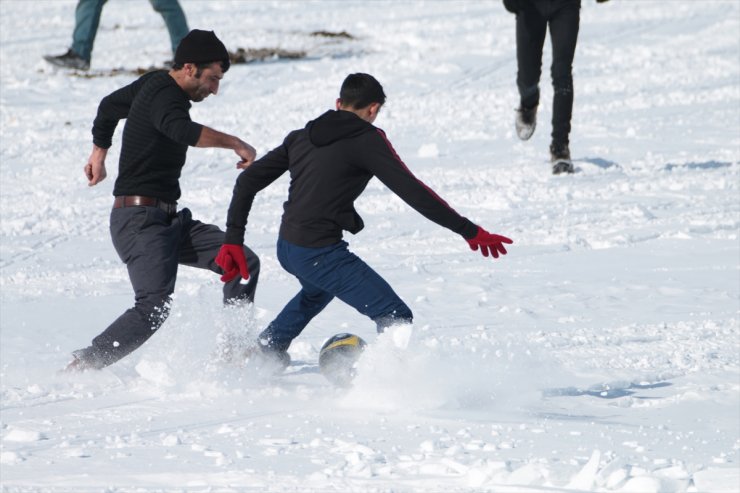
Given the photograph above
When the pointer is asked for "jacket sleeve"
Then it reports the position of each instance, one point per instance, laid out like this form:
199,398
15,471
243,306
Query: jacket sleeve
382,161
259,175
112,108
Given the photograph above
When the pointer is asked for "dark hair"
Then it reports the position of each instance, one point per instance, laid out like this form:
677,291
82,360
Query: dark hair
360,90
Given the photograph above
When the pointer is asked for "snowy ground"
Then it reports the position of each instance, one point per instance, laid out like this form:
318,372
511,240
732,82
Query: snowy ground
601,354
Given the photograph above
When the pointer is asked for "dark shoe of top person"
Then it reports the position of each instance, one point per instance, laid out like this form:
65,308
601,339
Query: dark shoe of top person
560,158
526,121
68,60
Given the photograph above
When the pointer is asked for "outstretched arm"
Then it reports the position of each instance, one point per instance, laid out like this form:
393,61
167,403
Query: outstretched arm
383,161
253,179
213,138
264,171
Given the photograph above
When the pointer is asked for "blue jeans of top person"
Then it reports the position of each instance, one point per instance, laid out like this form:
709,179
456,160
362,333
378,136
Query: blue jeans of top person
87,18
326,273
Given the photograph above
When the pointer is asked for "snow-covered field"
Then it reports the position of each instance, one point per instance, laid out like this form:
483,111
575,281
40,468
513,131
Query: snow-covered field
601,354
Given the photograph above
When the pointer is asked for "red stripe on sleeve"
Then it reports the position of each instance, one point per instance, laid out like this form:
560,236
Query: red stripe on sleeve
405,168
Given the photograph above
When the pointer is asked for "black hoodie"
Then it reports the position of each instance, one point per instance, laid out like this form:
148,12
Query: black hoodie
331,161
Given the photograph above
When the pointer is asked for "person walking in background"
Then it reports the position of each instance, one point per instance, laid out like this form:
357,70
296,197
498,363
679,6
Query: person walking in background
149,234
87,19
330,163
533,17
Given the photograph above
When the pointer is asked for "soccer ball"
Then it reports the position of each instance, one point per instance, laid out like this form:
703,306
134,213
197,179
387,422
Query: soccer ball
338,357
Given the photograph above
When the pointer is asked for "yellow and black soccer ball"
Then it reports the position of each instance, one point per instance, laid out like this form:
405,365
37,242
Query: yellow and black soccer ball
338,358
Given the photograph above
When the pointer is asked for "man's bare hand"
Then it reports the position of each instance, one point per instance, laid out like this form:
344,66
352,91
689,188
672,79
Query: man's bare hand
247,153
213,138
95,167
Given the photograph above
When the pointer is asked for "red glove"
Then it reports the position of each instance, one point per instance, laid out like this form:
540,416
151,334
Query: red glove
489,243
231,259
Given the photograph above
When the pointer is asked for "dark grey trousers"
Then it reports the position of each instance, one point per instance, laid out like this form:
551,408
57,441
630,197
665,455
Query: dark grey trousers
153,244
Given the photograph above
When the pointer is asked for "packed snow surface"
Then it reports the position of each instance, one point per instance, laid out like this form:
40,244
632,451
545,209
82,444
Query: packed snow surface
601,354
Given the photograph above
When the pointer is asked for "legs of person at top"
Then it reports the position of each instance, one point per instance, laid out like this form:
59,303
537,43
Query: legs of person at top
174,19
562,16
531,28
564,23
87,20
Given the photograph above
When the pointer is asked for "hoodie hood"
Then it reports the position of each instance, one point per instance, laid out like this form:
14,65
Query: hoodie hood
336,125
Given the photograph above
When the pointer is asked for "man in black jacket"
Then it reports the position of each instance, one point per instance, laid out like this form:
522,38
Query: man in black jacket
149,234
330,162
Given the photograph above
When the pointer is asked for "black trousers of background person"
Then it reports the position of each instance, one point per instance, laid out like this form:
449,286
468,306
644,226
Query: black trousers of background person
153,244
532,21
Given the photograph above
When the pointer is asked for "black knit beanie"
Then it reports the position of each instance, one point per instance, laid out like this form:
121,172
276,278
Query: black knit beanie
201,47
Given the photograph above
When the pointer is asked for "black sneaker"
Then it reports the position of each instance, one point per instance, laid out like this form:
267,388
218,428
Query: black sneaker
526,121
68,60
560,159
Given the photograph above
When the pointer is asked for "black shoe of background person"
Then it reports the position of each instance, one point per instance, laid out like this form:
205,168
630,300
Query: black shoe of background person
68,60
525,122
560,159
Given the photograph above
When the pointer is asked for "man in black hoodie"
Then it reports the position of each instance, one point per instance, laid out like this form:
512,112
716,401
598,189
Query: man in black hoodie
330,162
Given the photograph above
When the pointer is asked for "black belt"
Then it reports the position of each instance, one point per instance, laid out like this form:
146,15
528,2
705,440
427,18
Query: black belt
140,201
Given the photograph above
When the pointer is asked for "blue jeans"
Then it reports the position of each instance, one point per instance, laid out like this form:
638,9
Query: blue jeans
326,273
87,19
